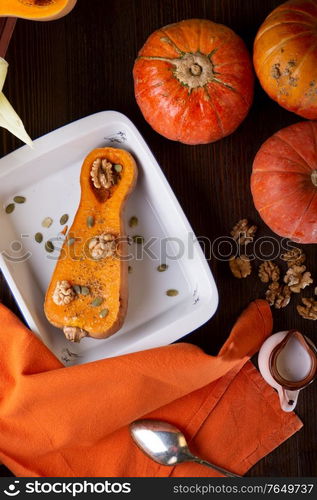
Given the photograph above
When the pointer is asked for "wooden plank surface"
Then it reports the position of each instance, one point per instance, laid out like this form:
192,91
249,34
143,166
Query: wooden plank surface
6,29
63,70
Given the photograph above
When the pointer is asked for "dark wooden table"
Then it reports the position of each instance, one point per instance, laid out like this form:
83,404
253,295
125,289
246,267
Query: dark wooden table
64,70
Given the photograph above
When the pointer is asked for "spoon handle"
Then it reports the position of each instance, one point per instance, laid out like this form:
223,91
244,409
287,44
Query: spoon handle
215,467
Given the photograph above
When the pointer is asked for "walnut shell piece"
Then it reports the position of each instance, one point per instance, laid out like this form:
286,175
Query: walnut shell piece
294,257
63,293
240,266
278,295
309,309
297,278
74,334
243,232
102,246
268,271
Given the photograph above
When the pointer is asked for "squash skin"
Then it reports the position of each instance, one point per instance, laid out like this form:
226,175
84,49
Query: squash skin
284,182
107,278
209,111
23,10
285,56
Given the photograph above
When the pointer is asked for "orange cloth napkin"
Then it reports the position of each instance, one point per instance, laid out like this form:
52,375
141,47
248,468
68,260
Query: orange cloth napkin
73,422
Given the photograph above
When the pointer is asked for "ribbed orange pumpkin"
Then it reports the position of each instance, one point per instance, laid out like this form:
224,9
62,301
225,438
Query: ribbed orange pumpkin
284,182
194,81
285,56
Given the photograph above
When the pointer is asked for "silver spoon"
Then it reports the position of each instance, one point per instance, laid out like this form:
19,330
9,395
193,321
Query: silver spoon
166,444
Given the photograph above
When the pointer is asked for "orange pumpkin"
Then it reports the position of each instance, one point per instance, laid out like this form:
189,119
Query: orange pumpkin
284,182
285,56
194,81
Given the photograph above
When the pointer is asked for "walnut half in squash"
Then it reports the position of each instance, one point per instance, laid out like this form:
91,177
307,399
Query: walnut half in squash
88,292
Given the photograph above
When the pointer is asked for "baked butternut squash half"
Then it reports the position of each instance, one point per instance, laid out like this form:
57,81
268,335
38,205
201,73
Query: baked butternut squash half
88,292
36,10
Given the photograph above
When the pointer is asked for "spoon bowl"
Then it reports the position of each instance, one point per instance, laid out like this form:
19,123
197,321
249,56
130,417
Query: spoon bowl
166,444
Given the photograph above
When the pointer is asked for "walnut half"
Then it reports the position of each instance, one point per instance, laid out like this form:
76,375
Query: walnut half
101,173
297,279
269,271
63,293
240,266
74,334
310,309
278,295
102,246
243,232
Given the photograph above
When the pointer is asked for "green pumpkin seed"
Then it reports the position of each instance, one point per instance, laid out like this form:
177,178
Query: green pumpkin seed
90,221
103,313
85,290
133,221
38,237
47,222
49,247
64,218
138,239
117,167
10,208
77,289
172,293
162,268
70,241
19,199
97,302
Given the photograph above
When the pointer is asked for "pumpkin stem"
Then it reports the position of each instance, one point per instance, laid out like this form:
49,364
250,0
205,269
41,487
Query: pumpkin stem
314,177
195,69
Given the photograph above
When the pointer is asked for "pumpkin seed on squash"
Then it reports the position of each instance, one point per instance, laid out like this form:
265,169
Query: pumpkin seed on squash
64,218
90,221
133,221
103,313
70,241
172,292
38,237
19,199
10,208
77,289
162,267
49,247
138,239
47,222
97,302
117,167
85,290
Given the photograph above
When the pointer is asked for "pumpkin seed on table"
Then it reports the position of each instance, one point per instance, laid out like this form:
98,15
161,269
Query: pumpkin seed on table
162,267
97,302
47,222
38,237
90,221
138,239
49,247
172,292
10,208
103,313
133,221
64,218
19,199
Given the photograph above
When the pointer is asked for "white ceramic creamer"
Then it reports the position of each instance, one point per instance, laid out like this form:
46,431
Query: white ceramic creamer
288,362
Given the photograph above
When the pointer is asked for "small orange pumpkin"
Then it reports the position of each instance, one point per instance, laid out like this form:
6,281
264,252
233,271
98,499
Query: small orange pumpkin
285,56
194,81
284,182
